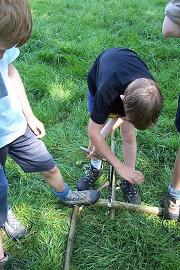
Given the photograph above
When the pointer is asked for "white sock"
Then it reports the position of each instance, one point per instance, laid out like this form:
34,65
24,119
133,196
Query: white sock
96,163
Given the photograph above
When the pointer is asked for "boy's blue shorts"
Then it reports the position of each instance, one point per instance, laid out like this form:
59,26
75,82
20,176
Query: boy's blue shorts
29,153
177,120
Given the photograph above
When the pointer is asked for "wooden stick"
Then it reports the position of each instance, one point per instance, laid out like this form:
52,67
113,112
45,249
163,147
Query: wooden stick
70,242
131,207
86,150
105,185
112,180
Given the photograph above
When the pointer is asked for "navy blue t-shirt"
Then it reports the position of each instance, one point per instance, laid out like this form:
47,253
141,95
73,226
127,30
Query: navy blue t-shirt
111,73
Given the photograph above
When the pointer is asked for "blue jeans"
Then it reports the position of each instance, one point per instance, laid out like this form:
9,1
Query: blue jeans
3,197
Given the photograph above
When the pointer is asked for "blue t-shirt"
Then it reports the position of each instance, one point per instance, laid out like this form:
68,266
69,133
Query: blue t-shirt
108,78
12,120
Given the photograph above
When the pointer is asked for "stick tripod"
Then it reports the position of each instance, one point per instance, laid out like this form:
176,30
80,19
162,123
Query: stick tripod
110,203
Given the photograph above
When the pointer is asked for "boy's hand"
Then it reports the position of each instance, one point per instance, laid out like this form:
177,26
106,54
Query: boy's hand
92,151
36,126
132,176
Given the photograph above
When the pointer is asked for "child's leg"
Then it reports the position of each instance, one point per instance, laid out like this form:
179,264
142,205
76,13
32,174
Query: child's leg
54,179
1,248
3,197
128,134
176,173
171,202
174,186
3,205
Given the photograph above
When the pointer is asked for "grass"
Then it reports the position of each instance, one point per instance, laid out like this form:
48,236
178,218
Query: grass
67,36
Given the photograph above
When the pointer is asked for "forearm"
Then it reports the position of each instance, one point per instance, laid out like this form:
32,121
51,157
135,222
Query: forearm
100,144
16,79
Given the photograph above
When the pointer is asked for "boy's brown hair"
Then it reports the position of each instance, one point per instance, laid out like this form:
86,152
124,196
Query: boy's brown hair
142,103
15,22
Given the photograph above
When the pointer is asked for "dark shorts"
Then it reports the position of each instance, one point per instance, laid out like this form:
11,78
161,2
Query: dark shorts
29,153
177,120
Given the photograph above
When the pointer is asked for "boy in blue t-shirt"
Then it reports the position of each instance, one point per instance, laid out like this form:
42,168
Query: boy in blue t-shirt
20,130
122,92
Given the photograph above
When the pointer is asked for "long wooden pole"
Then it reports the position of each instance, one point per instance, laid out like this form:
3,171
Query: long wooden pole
112,180
131,207
69,249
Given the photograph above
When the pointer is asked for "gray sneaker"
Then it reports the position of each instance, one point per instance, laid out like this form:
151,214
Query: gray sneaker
85,197
4,263
171,207
13,227
86,181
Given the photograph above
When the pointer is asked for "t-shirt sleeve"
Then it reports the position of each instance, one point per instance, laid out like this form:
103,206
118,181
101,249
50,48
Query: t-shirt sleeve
107,92
172,11
11,54
100,109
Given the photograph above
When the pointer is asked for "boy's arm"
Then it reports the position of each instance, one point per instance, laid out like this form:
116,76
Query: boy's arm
170,29
36,126
106,130
171,24
102,147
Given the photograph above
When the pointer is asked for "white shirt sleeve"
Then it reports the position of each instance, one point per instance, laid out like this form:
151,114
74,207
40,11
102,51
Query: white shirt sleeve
11,54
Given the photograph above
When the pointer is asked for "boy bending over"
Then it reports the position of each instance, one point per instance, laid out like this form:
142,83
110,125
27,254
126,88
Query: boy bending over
122,89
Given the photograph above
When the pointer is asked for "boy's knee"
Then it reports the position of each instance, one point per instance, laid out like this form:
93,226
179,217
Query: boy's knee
51,172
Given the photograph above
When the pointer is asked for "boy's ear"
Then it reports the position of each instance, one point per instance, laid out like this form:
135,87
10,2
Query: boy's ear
122,97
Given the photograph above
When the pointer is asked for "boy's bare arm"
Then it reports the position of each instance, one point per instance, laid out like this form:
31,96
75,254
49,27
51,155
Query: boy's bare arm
106,130
102,147
170,29
36,126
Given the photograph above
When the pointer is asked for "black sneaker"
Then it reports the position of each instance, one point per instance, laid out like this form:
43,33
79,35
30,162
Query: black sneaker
14,229
86,182
130,193
171,207
81,197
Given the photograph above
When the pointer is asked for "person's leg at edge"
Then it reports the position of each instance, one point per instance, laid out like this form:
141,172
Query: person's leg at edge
3,205
1,248
129,149
176,174
171,202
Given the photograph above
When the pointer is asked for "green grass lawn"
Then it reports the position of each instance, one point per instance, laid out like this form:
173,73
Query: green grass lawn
67,36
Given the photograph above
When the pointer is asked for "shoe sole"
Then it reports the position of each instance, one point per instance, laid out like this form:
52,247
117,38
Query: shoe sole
81,204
